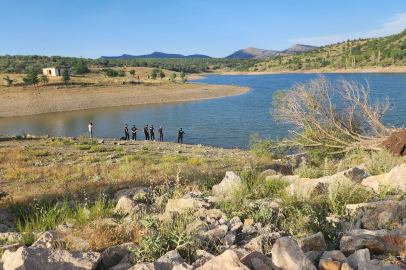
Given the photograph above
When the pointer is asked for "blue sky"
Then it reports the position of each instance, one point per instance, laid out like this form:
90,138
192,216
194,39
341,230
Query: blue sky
217,28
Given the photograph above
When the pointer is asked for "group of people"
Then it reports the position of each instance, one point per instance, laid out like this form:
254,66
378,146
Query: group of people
149,133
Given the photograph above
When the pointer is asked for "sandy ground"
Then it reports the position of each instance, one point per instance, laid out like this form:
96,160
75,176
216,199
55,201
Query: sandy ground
390,69
18,101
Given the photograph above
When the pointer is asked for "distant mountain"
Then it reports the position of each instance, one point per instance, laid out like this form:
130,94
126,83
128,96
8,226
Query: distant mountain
255,53
156,55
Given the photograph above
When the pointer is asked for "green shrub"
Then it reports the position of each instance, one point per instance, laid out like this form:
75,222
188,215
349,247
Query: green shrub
261,147
82,147
307,170
97,148
381,162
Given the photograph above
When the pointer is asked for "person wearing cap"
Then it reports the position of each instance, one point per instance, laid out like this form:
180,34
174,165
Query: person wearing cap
161,134
146,132
134,131
152,132
180,135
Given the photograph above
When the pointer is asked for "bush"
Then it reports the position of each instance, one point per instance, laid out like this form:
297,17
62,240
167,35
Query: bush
121,73
261,147
82,147
381,162
97,148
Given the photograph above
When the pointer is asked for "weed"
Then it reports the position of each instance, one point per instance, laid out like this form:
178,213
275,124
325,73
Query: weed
381,162
82,147
97,148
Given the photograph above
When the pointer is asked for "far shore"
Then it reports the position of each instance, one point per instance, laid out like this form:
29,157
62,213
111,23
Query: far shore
17,101
390,69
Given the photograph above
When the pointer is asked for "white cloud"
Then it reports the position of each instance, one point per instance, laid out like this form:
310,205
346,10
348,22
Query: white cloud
395,25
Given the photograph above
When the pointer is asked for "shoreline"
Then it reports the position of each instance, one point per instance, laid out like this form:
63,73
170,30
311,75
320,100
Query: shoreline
41,100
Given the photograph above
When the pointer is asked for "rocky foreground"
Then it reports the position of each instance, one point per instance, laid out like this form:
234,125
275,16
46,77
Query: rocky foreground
373,238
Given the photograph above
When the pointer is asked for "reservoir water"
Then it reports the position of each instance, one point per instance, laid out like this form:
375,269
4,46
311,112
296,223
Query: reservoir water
225,122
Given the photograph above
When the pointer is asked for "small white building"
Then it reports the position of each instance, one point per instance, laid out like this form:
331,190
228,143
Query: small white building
55,71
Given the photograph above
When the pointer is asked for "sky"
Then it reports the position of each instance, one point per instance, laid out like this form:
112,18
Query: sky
217,28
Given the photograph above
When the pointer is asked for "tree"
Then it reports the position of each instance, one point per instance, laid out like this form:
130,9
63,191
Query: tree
173,76
8,80
184,79
153,74
330,119
182,75
161,74
44,79
32,77
65,76
132,72
121,73
80,68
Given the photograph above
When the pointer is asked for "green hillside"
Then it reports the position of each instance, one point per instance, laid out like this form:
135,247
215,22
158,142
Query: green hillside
384,52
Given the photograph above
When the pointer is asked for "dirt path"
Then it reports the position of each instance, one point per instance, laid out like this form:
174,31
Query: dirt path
17,101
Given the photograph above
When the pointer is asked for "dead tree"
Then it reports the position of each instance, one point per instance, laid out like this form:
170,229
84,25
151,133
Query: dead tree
332,118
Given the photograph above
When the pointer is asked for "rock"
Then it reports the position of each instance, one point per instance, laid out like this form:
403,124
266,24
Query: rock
259,264
180,205
3,228
183,266
202,257
377,243
332,260
125,205
287,255
359,256
49,239
345,266
137,193
312,256
12,247
247,260
376,265
214,213
214,236
44,259
229,239
230,182
268,173
249,230
235,225
172,257
348,226
248,222
226,261
313,242
392,180
255,244
356,174
113,255
378,215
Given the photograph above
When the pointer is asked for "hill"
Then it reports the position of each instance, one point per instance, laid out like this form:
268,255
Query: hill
344,56
155,55
255,53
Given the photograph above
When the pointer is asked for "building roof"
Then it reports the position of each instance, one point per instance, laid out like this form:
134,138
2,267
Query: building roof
55,67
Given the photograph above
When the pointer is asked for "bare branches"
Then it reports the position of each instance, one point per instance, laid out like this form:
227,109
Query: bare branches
331,116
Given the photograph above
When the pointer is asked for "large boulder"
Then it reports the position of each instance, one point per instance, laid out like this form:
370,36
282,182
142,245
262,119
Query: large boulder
125,205
378,215
392,180
226,261
287,255
313,242
49,259
231,182
359,256
249,260
332,260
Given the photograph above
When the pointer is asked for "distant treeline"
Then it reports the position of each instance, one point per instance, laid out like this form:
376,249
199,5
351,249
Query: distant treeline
386,51
22,64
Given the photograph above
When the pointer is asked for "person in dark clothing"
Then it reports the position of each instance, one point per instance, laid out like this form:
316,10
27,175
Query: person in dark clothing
180,135
127,134
152,132
161,134
134,131
146,132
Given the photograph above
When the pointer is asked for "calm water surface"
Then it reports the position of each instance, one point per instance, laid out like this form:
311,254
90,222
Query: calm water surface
225,122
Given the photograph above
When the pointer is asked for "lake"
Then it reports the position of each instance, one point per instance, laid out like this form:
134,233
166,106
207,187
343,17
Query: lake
225,122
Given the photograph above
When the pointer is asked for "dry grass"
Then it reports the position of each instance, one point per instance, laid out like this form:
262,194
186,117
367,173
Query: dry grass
36,168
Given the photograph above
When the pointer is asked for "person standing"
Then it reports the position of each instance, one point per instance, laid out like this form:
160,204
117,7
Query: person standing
161,134
152,133
180,135
138,77
90,129
127,134
134,131
146,132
